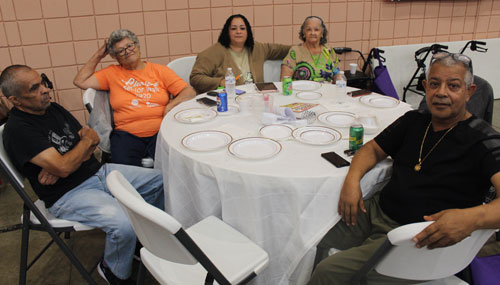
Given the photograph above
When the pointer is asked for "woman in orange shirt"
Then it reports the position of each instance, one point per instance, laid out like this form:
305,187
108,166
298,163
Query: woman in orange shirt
139,95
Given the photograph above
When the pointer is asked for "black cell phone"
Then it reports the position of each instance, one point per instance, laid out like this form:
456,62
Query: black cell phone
266,87
207,102
359,92
212,93
335,159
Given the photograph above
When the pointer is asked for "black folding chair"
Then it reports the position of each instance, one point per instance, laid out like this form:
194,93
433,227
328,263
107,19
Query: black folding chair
36,217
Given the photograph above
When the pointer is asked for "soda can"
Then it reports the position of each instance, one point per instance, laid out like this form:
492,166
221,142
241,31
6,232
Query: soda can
222,102
356,133
287,85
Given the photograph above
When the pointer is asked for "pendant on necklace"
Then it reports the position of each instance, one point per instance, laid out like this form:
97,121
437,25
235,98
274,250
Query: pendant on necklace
417,167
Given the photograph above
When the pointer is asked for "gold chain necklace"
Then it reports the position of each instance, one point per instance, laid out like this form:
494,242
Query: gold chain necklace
418,166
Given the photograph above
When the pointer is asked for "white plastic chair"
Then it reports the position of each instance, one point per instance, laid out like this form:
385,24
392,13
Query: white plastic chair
88,102
398,257
272,70
208,250
36,217
88,99
183,66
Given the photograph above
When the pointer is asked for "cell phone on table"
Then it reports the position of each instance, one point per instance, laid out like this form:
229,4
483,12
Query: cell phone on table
359,92
335,159
266,87
207,102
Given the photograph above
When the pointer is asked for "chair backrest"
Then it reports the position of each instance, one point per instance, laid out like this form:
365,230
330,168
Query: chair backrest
406,261
102,119
183,66
7,164
272,70
154,227
88,99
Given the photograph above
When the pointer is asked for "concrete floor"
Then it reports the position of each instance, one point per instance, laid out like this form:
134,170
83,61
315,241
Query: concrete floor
54,267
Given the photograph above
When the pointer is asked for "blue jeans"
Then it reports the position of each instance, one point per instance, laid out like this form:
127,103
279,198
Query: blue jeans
92,204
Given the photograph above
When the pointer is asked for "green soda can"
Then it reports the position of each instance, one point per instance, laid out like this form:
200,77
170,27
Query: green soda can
356,133
287,85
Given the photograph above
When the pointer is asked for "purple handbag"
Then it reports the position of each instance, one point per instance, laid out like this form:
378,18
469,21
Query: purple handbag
485,270
382,83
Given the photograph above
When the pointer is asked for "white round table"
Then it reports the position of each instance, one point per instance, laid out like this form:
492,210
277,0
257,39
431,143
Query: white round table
286,203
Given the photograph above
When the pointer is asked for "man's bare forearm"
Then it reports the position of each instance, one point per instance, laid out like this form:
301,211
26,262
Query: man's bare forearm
87,71
187,93
364,160
63,165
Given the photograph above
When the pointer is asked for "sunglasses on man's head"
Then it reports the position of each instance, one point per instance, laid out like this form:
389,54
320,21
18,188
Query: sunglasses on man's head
455,56
46,82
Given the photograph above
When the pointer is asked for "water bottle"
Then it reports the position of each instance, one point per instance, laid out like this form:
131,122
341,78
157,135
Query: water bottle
341,84
230,83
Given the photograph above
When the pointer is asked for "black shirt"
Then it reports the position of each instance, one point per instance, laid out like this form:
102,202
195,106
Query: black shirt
26,135
456,174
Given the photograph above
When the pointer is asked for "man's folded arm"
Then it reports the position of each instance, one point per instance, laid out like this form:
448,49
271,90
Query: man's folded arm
63,165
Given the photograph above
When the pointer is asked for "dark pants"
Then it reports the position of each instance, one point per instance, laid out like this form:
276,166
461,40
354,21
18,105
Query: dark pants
358,243
129,149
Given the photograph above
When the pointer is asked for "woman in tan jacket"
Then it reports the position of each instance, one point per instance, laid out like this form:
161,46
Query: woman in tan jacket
236,49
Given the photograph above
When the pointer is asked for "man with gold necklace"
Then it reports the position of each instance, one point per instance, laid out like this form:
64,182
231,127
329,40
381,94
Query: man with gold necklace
444,164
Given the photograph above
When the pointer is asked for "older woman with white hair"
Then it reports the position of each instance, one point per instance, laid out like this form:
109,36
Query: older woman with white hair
311,60
139,95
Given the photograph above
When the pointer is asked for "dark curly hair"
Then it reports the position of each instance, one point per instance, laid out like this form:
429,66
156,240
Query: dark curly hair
224,38
325,30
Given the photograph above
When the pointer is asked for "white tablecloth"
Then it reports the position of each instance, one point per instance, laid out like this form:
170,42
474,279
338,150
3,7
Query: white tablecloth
285,204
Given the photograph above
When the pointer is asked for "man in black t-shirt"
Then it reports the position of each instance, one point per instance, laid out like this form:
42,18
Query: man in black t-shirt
50,147
444,163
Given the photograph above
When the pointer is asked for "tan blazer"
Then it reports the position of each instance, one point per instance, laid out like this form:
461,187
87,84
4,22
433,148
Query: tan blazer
211,64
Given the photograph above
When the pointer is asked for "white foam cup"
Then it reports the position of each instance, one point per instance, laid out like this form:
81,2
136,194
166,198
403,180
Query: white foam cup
353,67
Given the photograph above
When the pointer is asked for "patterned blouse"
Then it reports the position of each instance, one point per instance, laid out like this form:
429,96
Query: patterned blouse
306,66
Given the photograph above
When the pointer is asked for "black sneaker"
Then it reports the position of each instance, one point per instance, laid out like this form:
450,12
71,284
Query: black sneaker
110,278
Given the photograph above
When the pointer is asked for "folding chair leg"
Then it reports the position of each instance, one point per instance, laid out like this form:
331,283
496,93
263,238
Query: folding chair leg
56,238
64,247
40,254
23,266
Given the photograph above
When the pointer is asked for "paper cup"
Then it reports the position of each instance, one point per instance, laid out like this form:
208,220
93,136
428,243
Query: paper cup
353,67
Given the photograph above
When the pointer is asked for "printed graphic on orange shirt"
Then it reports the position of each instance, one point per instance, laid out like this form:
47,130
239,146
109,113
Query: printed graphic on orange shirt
142,90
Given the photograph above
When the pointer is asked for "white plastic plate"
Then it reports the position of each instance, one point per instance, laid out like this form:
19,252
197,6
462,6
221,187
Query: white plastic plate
305,85
337,118
379,101
316,135
231,110
206,140
308,95
276,132
252,96
195,115
254,148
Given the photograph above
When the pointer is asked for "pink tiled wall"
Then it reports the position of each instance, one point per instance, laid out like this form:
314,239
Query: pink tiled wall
58,36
